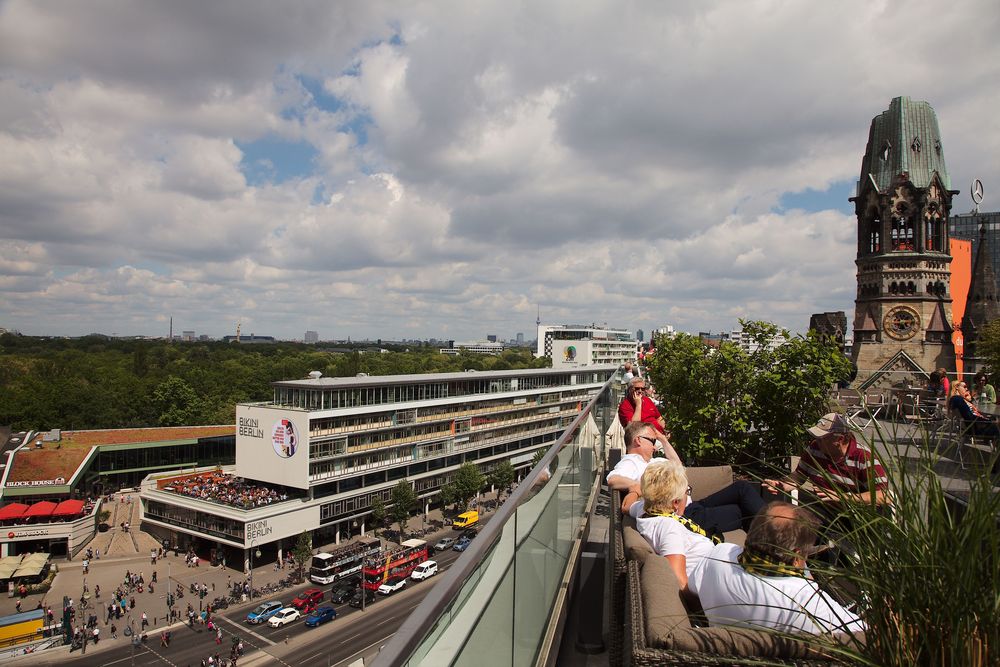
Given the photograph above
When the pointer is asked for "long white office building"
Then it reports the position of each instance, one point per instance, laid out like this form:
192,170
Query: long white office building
315,456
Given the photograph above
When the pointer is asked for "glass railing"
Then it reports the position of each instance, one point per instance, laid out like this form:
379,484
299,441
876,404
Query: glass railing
500,603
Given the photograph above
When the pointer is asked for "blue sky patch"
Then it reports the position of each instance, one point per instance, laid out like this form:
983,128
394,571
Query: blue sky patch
834,197
274,160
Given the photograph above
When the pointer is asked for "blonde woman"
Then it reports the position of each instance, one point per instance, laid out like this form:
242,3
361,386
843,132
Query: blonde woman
663,524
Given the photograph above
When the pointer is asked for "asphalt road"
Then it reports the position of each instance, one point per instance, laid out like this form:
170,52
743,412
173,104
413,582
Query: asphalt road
352,634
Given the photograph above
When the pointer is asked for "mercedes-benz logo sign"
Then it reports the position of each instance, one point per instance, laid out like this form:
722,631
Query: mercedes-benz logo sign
977,191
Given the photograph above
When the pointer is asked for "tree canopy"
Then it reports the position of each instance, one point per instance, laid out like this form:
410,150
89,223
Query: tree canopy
404,498
728,405
467,482
101,382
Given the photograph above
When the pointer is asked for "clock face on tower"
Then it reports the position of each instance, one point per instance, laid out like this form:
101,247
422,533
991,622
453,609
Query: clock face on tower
901,323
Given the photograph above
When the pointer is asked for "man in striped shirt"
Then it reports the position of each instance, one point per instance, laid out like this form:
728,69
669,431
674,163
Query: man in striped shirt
837,466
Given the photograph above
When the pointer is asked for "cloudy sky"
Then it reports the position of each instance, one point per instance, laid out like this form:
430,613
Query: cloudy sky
442,169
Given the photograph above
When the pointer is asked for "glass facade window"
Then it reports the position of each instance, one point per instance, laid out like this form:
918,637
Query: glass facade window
201,522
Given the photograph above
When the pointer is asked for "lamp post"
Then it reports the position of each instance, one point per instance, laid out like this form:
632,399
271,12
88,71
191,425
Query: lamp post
252,554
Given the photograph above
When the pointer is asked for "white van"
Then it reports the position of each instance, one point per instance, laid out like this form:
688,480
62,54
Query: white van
426,569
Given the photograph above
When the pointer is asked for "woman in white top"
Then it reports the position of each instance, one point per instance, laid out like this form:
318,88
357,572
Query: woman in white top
662,523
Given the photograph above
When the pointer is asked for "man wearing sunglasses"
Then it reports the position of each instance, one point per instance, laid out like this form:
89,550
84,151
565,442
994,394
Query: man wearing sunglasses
638,407
641,441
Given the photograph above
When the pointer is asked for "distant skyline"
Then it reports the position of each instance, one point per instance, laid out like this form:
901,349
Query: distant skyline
373,169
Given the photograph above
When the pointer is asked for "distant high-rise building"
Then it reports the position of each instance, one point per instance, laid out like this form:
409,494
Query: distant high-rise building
639,335
187,336
311,337
967,226
520,339
492,338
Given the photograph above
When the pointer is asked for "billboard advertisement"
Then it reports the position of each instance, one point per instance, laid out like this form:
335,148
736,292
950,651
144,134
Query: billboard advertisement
272,445
571,353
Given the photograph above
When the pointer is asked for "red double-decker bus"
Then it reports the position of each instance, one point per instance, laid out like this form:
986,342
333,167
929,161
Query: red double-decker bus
397,563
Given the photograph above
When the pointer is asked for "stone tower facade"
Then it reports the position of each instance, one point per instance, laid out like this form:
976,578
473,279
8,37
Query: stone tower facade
902,314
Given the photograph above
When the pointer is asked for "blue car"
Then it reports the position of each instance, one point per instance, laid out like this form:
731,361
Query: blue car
462,544
321,616
264,611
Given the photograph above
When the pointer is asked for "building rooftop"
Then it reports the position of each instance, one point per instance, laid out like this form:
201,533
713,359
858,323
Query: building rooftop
61,458
424,378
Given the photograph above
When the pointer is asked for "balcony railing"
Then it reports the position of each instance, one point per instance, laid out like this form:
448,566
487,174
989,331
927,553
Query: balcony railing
502,602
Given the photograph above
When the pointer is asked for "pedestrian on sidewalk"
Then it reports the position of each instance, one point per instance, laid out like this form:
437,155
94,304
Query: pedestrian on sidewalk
145,621
218,635
17,606
114,631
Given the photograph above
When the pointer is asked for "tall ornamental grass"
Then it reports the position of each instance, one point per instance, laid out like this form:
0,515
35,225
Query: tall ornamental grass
925,573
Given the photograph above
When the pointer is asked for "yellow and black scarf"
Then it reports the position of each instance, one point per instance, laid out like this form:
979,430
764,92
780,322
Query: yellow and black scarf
687,523
762,565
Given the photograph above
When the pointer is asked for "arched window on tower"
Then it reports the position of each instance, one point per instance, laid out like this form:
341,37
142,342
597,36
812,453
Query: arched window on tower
893,288
875,235
911,288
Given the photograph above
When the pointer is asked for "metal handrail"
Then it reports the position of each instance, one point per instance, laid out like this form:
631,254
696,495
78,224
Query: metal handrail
425,616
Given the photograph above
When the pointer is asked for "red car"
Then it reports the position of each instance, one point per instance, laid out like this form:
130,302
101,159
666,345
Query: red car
310,597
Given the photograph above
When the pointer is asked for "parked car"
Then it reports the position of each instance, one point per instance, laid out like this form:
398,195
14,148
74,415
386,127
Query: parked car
470,533
425,570
356,598
308,598
344,589
463,543
392,585
264,611
284,617
321,616
444,543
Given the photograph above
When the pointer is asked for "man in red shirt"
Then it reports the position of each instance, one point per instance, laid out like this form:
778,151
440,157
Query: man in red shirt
636,406
837,467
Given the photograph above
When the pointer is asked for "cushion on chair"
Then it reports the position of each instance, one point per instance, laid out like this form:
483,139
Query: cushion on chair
706,481
636,546
663,608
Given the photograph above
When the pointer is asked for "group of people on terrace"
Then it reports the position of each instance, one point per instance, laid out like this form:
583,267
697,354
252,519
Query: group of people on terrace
766,582
226,489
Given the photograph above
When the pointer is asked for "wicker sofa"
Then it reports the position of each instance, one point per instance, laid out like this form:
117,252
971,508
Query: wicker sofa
650,622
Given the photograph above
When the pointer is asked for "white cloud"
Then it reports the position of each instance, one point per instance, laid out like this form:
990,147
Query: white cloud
607,162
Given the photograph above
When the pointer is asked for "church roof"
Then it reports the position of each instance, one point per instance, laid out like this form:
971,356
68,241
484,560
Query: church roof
904,138
868,322
939,320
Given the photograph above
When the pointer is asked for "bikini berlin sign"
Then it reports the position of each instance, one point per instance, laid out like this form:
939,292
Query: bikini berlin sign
272,445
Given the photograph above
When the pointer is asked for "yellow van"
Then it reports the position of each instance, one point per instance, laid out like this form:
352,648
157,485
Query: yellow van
466,519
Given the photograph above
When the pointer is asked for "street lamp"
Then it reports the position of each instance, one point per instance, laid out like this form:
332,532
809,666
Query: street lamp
252,554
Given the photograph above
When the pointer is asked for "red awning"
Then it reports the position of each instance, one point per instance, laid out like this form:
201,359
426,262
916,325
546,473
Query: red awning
12,511
42,509
68,508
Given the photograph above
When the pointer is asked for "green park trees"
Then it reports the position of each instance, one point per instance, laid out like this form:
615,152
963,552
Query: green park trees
101,382
729,405
404,499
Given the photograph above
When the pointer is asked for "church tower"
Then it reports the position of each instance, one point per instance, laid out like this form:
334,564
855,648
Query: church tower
902,311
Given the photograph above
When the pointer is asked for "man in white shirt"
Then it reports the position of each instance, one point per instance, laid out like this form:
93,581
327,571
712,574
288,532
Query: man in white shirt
766,584
641,440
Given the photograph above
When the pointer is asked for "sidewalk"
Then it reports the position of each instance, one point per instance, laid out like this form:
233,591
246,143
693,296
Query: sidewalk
109,573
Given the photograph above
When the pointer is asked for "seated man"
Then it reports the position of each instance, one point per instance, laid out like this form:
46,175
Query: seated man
837,466
641,441
638,407
766,584
729,509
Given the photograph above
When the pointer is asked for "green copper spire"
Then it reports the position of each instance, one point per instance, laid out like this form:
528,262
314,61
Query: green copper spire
905,138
